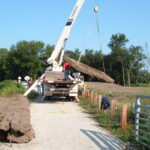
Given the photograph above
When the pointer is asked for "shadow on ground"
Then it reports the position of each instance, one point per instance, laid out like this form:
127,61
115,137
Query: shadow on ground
41,99
103,141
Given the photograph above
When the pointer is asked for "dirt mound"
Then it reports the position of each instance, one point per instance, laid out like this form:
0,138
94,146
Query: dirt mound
111,87
15,123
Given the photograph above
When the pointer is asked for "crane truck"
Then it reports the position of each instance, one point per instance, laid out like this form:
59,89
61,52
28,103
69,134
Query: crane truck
53,82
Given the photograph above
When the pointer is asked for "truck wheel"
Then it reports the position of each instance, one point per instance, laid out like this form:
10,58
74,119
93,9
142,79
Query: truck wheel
68,98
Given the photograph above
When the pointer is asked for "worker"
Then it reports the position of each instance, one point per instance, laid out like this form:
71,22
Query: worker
66,68
39,89
30,82
105,103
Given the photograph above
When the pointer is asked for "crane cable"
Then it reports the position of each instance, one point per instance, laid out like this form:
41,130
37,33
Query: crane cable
89,32
96,9
86,39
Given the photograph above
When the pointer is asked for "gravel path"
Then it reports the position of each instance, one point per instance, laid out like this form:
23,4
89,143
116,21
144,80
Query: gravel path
62,125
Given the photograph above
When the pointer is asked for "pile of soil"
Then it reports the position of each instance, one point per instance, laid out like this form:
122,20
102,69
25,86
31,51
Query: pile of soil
15,125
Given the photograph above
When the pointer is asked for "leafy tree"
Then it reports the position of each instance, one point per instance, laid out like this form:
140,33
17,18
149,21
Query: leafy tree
23,59
93,58
118,40
123,60
119,54
3,57
73,54
134,61
124,65
45,54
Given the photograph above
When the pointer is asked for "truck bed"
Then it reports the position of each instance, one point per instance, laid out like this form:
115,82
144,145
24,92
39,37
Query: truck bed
54,76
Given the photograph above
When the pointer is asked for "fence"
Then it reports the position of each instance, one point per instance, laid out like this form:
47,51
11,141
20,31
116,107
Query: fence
97,99
142,120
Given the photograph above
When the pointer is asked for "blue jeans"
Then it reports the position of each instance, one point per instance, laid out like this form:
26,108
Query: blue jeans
66,74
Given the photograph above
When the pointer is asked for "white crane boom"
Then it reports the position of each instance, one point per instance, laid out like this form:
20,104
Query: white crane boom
64,36
56,64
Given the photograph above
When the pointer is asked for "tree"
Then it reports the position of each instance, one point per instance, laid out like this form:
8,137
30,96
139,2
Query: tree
123,60
118,40
134,61
23,59
3,57
119,53
73,54
93,58
45,54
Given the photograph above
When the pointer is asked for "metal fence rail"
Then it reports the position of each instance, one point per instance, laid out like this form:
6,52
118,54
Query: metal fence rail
142,122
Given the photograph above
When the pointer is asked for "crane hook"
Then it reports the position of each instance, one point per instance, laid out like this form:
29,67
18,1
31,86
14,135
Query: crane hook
96,9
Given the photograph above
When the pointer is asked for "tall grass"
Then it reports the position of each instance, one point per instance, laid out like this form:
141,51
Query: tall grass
9,87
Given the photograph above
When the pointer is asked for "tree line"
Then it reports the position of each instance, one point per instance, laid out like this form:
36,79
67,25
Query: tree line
124,64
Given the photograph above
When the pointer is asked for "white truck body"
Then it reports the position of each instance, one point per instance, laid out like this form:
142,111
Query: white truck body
55,85
64,88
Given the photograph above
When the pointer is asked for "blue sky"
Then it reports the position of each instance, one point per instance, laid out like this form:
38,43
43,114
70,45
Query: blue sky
44,20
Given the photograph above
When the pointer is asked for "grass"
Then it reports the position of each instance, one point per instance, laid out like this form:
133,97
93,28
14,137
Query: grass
114,124
9,87
141,85
32,95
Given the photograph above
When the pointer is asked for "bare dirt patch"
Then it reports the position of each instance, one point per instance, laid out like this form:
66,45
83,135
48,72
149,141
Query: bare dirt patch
111,87
15,123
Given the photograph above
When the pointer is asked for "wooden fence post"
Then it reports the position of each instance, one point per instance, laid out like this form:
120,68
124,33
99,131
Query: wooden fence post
83,92
99,101
96,98
91,96
86,93
124,116
113,106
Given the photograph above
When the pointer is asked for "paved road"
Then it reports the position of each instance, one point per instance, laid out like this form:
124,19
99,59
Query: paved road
65,126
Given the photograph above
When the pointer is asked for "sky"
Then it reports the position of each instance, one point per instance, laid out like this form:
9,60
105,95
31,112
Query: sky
44,20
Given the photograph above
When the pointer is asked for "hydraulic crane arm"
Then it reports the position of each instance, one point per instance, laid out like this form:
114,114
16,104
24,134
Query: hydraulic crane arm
61,42
65,34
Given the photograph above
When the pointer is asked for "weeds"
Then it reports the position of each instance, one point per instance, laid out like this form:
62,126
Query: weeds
9,87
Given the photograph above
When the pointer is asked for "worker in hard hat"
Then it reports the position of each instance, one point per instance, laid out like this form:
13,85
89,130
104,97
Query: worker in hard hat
66,68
